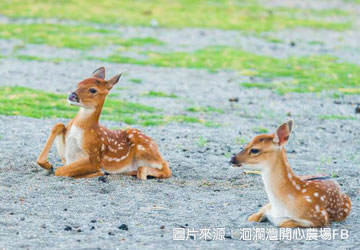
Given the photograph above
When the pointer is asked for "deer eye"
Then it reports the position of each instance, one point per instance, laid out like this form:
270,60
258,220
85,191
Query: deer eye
92,91
254,151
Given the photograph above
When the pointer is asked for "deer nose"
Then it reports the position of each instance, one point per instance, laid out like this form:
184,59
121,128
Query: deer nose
233,160
73,97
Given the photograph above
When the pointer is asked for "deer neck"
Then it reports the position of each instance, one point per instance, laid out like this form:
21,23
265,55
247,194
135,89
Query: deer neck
88,117
279,181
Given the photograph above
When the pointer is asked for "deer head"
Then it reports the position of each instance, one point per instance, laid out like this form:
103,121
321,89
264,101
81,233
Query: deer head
263,148
91,92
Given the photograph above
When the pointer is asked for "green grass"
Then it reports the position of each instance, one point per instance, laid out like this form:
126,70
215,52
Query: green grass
159,94
246,15
293,74
135,80
39,104
260,130
336,117
201,142
240,140
271,39
38,58
316,43
69,36
205,109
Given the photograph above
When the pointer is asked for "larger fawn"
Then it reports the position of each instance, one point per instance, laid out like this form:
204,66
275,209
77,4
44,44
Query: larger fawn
85,147
294,201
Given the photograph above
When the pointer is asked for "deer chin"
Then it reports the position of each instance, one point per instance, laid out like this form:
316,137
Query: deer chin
74,103
238,165
253,167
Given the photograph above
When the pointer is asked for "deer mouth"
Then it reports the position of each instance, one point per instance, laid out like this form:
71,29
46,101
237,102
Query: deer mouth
73,99
236,165
234,162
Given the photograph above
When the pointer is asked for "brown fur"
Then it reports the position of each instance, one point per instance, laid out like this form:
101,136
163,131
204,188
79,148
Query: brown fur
117,151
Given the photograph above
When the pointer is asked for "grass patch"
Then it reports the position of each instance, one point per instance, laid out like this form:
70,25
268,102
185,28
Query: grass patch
205,109
69,36
296,74
202,141
257,85
260,130
246,15
39,104
316,43
38,58
336,117
272,39
135,80
159,94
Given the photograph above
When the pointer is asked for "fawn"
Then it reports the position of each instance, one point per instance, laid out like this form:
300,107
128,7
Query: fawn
294,201
85,146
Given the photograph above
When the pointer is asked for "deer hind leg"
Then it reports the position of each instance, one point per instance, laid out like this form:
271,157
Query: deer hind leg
261,215
90,175
42,160
144,171
292,223
343,209
78,169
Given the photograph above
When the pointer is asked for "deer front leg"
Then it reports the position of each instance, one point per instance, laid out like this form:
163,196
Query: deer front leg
82,168
42,160
260,216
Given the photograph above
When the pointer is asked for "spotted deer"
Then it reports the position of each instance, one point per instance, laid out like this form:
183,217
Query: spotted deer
294,201
85,147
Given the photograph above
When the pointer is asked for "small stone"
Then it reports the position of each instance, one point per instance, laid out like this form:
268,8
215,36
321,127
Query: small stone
92,228
123,227
103,179
162,227
93,221
65,209
22,218
111,233
234,99
68,228
292,44
357,109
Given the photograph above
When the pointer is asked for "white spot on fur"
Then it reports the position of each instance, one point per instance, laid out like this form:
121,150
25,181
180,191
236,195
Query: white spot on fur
140,147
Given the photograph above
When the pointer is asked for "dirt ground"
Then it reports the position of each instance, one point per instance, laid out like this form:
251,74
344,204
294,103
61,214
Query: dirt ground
40,211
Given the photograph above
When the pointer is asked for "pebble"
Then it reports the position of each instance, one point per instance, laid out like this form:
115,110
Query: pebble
123,227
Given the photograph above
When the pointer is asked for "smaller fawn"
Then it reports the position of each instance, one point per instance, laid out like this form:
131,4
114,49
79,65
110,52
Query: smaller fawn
85,147
294,201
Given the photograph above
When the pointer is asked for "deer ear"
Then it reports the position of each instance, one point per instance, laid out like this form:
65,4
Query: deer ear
99,73
282,134
111,82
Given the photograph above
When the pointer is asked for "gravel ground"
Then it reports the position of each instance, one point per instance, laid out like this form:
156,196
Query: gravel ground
40,211
38,208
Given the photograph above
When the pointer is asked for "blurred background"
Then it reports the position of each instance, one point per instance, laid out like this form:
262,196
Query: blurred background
282,46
